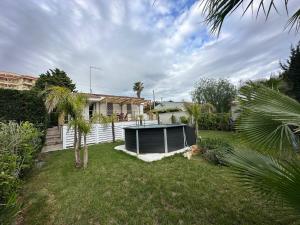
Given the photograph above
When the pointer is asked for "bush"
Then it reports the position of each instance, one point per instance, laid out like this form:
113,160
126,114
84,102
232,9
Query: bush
173,119
23,106
19,144
219,121
184,119
214,150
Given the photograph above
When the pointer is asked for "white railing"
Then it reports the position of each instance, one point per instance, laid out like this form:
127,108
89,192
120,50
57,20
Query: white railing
100,133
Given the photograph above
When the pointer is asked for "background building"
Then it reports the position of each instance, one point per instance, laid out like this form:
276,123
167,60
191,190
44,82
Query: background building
16,81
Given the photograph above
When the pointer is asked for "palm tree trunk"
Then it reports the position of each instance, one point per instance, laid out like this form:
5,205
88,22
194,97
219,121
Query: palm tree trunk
78,162
85,153
113,130
138,93
75,144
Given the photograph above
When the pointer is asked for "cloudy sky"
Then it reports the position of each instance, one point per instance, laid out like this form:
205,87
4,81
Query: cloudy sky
165,45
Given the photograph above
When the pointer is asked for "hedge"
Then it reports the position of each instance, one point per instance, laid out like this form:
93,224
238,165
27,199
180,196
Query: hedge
24,105
215,121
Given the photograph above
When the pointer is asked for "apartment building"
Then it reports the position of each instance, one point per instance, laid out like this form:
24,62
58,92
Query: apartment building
16,81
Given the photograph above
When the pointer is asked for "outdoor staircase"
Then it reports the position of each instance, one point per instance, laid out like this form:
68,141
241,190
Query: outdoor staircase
53,140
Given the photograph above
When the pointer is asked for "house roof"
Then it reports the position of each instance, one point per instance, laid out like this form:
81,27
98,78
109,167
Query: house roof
116,99
170,105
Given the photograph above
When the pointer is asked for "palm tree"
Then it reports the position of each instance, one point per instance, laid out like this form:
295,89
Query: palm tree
194,112
138,88
85,128
269,121
67,103
217,10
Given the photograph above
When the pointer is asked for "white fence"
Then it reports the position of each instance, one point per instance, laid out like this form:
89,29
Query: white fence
100,133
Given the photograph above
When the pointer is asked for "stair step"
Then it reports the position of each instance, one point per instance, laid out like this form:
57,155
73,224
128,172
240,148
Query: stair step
52,136
53,142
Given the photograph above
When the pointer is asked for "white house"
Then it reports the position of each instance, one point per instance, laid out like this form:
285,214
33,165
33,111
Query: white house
168,109
126,108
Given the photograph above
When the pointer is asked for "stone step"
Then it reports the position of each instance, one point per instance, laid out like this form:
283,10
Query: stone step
52,136
53,141
52,148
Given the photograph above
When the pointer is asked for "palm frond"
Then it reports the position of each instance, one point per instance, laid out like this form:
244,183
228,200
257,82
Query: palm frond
268,176
294,21
217,10
269,119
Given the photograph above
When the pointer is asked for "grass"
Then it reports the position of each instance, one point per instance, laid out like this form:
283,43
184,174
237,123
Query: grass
119,189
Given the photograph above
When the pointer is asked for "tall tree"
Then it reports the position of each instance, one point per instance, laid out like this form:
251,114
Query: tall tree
54,77
291,73
217,10
68,103
138,88
219,93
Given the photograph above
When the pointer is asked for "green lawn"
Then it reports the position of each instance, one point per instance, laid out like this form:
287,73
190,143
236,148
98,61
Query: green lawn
120,189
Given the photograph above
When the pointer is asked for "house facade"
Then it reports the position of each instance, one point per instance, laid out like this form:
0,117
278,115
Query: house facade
10,80
124,107
168,109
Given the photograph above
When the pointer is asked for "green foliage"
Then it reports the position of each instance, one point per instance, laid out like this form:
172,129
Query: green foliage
215,121
54,77
19,144
268,176
23,106
269,118
138,87
220,93
173,119
217,10
214,150
184,119
290,74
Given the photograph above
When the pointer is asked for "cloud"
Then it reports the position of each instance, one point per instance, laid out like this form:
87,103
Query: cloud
164,44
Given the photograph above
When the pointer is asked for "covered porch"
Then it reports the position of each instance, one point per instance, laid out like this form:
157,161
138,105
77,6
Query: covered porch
125,108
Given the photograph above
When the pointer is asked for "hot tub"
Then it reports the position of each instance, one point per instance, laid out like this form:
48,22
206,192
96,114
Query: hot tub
158,138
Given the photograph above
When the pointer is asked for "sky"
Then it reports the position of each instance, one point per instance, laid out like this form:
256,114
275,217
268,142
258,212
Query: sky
163,43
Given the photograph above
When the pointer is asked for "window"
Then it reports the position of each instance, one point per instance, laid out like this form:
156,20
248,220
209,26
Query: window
91,110
110,109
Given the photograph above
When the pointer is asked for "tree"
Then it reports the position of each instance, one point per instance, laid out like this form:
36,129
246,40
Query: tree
219,93
85,128
54,77
269,121
217,10
194,113
291,73
68,103
138,88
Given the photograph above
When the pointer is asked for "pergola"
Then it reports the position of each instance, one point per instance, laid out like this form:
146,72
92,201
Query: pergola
117,99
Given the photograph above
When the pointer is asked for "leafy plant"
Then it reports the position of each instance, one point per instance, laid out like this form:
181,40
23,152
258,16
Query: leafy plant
219,93
184,119
19,144
194,112
214,150
270,121
173,119
268,176
217,10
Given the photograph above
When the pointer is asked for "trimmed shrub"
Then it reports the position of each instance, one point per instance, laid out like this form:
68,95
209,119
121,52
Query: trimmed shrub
19,144
212,121
184,119
214,150
21,106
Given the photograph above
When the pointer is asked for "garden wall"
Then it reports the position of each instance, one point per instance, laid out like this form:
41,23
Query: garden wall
100,133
